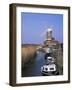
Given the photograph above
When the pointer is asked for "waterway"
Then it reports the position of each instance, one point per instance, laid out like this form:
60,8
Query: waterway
34,68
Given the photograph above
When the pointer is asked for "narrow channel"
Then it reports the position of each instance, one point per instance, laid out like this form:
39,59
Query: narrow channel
34,68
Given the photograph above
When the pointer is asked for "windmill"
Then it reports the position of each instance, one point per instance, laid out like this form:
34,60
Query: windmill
48,32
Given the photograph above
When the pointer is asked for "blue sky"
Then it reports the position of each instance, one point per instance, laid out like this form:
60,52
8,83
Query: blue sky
34,24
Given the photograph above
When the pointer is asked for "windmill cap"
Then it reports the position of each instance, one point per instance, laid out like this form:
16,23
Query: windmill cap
49,29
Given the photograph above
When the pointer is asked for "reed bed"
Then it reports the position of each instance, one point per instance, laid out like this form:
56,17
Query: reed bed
28,53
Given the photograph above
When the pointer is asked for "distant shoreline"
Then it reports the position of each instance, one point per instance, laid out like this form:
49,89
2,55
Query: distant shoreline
31,45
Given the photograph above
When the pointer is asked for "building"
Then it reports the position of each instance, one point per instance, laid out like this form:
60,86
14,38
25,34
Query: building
50,41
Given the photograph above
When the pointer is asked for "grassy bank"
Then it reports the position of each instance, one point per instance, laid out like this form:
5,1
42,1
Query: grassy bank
28,53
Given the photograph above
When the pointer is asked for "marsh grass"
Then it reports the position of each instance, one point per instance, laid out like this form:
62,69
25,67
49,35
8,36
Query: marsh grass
28,54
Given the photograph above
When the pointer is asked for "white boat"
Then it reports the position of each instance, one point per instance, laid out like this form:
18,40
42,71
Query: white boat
50,68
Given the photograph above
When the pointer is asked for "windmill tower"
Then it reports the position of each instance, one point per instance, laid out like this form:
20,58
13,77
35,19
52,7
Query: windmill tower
49,34
50,40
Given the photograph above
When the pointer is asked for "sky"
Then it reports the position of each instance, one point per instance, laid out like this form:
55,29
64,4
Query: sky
33,25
